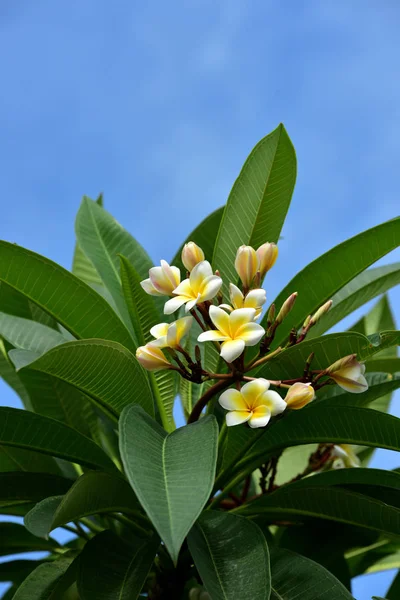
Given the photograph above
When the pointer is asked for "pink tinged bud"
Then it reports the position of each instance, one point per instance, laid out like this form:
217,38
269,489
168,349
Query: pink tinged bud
162,280
307,321
152,358
192,254
246,264
286,308
348,373
320,312
267,255
299,394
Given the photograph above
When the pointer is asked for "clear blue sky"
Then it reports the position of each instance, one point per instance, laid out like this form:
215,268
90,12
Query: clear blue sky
158,104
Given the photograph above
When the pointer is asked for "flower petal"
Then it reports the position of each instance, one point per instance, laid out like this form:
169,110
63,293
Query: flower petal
172,274
240,317
251,333
183,326
236,296
272,401
149,288
260,417
200,272
159,330
354,387
173,304
253,389
232,400
210,287
255,298
232,349
220,320
184,289
214,335
192,303
236,417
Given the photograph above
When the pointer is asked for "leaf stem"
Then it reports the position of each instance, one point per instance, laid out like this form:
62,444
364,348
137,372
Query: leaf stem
203,401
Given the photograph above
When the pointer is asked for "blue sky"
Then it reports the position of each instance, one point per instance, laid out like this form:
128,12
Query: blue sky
158,104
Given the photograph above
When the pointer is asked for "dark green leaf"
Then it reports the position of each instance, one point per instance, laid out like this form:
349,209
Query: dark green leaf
22,486
258,202
110,569
48,581
176,488
82,267
29,335
106,371
65,297
22,429
231,555
329,273
393,592
14,538
17,570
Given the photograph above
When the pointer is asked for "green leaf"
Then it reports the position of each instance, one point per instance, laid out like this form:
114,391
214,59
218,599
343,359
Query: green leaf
144,314
66,298
231,555
93,493
29,335
82,267
258,202
295,577
176,488
204,235
17,570
22,429
14,538
105,371
299,503
385,365
8,374
358,291
393,592
20,485
48,581
15,303
325,276
313,424
379,384
327,349
15,459
110,569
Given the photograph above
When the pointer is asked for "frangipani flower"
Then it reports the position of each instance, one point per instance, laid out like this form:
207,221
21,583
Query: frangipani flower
254,299
348,373
246,264
152,358
191,255
346,455
162,280
235,330
169,335
267,255
254,404
299,394
201,286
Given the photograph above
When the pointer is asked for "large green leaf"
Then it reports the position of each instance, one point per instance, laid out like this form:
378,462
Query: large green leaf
22,429
144,314
295,577
258,202
65,297
327,349
110,569
313,424
299,503
48,581
93,493
105,371
24,486
358,291
14,538
16,459
393,592
204,235
29,335
15,303
17,570
176,488
325,276
82,267
8,374
231,555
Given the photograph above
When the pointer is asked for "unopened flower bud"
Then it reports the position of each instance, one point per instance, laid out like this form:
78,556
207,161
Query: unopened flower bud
246,264
191,255
152,358
286,308
320,312
271,315
267,255
348,373
307,322
299,394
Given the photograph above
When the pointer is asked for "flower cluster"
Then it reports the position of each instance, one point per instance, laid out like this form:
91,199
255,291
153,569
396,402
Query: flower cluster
232,326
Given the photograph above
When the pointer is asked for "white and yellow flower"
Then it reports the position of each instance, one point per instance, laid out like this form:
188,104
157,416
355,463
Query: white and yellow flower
348,373
267,255
162,280
346,455
202,285
191,255
254,404
246,264
254,299
152,358
235,330
299,394
169,335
